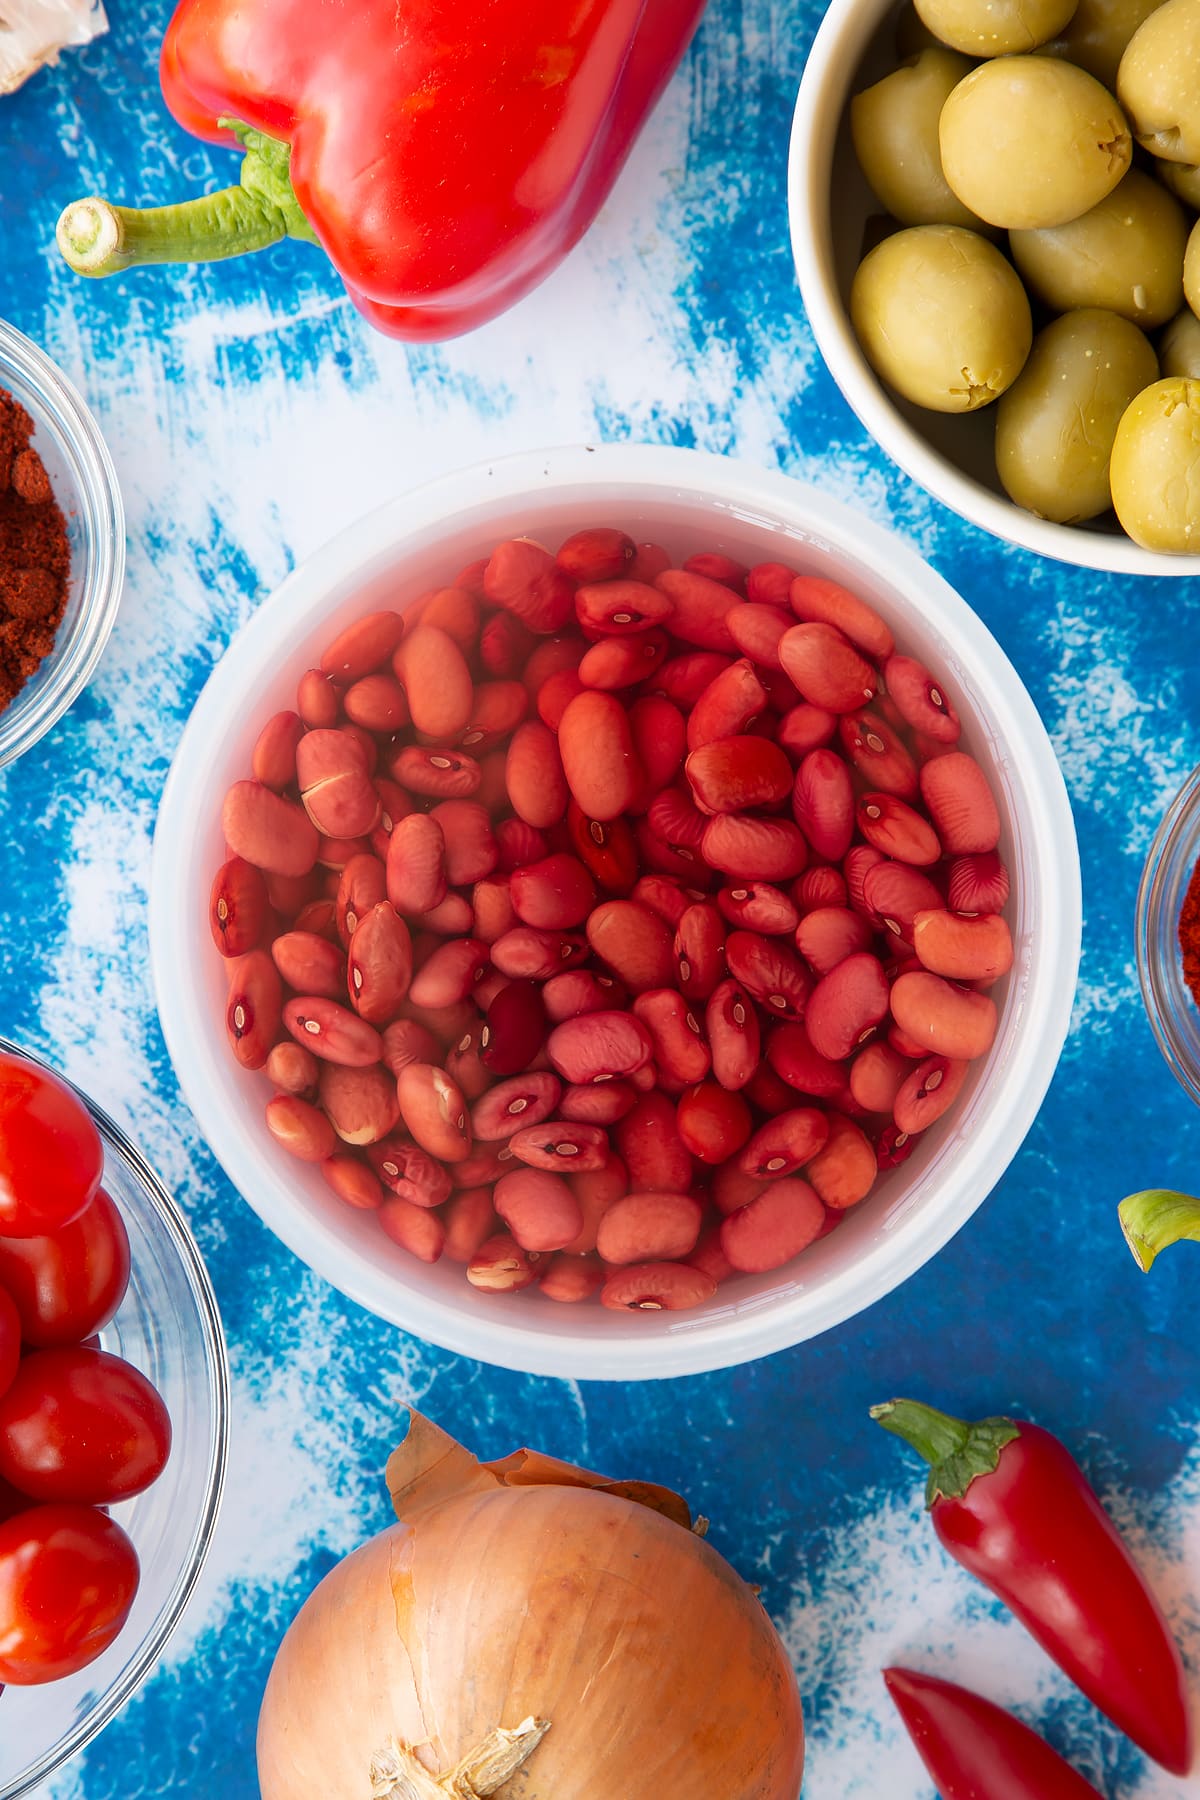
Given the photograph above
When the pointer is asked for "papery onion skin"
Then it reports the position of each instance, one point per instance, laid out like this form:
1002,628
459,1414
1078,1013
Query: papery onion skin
657,1667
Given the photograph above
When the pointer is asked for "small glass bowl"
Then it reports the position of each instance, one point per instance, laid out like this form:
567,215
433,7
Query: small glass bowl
1174,1014
169,1327
81,472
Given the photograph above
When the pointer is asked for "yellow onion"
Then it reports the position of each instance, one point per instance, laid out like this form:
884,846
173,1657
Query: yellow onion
532,1630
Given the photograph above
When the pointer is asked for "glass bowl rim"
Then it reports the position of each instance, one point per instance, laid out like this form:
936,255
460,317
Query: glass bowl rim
1183,812
179,1233
102,575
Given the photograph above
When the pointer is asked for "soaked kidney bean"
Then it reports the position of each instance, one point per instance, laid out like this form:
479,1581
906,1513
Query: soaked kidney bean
772,1228
928,1092
948,1020
553,929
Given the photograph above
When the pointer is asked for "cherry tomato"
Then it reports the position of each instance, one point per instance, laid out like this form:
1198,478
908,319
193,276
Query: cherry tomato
68,1575
51,1157
70,1283
81,1425
10,1340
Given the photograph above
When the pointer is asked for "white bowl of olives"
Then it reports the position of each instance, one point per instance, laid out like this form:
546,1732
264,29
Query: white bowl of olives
993,211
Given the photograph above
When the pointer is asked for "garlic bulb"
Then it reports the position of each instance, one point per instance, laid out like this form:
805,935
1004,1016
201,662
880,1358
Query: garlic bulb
32,32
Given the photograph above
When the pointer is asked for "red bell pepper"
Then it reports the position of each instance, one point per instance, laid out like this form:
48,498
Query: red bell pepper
445,153
975,1750
1010,1504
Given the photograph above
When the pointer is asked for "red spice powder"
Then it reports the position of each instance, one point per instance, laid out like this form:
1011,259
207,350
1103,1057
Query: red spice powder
1189,934
34,554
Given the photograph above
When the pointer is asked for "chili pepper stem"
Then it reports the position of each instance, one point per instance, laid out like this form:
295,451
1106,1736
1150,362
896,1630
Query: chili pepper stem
97,238
1155,1219
955,1449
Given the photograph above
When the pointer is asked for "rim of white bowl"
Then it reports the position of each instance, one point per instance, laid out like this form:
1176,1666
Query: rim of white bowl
741,1332
838,47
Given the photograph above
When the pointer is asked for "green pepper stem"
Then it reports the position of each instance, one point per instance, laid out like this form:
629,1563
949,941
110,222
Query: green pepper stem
1155,1219
97,238
956,1451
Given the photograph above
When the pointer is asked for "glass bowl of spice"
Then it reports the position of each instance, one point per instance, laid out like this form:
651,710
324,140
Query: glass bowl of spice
62,543
1168,935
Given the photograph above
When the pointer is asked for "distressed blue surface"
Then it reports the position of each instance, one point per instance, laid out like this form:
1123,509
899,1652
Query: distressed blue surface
252,414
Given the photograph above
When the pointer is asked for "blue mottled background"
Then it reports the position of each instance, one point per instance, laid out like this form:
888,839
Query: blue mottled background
252,414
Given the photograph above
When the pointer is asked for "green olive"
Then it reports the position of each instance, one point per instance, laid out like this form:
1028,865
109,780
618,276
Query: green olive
994,27
895,130
1191,269
1027,142
1159,82
1055,425
1179,346
1155,467
941,317
1125,255
1096,37
1183,179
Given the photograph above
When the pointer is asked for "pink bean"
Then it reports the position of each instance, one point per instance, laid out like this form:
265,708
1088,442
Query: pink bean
921,701
539,1209
898,830
419,1232
252,1010
894,1147
318,699
360,1104
620,608
653,1153
757,906
680,1052
498,708
504,644
960,802
274,759
829,934
570,1279
335,784
596,747
533,771
485,1165
843,1172
511,1105
878,754
238,908
379,965
769,583
857,864
409,1172
806,727
664,896
683,679
734,773
578,991
755,849
928,1092
978,948
406,1041
895,892
817,887
700,608
302,1130
876,1076
606,849
673,817
595,1191
561,1144
817,600
353,1182
784,1220
978,884
756,631
823,803
732,1188
310,964
333,1033
659,743
713,1122
602,1105
514,1028
452,917
847,1005
708,1258
948,1020
464,1067
535,955
791,1055
657,1287
649,1227
454,610
553,894
599,1047
265,829
769,973
519,844
598,553
699,950
826,668
377,703
524,578
784,1144
292,1069
633,942
363,646
556,694
616,663
469,1219
450,974
733,1032
445,774
471,852
335,853
731,701
492,909
718,567
500,1266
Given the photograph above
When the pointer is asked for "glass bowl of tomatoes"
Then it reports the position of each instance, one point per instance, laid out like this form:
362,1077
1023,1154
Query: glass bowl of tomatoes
94,1590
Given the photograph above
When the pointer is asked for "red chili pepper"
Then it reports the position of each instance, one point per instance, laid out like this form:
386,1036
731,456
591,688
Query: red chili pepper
446,153
975,1750
1010,1504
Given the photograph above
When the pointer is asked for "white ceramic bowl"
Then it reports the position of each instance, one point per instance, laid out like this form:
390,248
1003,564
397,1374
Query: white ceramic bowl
686,501
829,205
